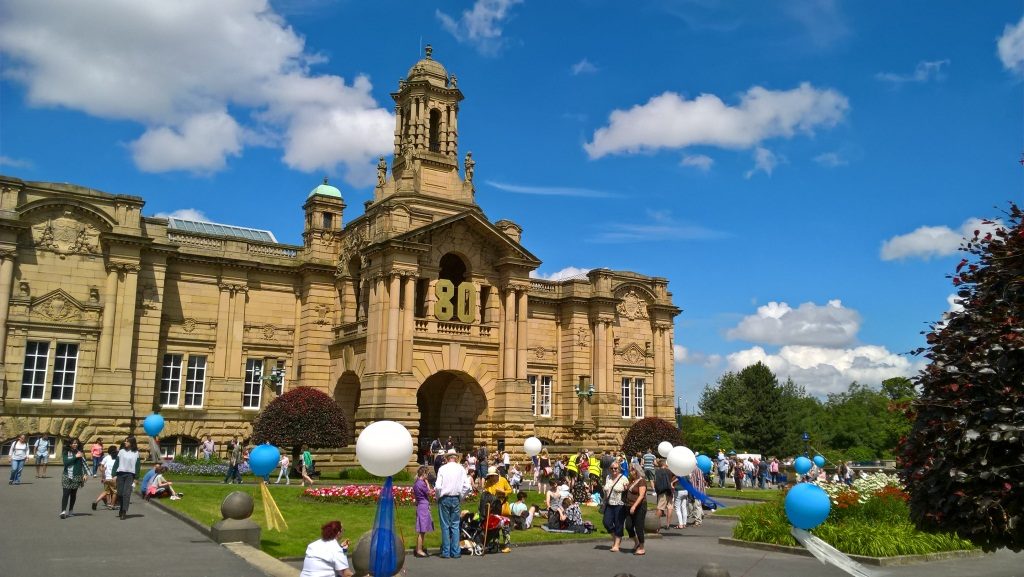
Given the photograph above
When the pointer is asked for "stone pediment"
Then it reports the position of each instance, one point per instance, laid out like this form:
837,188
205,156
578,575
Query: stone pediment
59,306
473,235
634,354
64,228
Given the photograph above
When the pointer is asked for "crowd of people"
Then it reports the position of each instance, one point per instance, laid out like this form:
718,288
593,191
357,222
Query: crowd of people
750,471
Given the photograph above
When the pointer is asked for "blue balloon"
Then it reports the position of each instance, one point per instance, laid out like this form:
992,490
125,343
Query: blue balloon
802,465
264,459
153,424
819,461
704,463
807,506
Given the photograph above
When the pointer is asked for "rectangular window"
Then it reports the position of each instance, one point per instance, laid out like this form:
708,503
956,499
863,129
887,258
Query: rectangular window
195,381
280,375
532,379
545,397
33,376
328,220
638,398
625,397
189,448
253,384
170,380
65,365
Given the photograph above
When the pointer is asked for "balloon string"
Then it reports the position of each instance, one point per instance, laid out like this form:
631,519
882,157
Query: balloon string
275,520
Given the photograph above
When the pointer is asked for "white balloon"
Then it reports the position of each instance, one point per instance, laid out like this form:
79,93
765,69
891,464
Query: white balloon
532,446
384,448
681,461
663,448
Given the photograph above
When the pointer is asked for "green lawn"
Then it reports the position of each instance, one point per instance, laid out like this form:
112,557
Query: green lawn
734,511
750,494
304,518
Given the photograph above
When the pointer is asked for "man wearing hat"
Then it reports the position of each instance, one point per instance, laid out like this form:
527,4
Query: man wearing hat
494,482
451,484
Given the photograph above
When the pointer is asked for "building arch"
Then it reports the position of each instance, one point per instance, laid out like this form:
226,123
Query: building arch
450,403
346,395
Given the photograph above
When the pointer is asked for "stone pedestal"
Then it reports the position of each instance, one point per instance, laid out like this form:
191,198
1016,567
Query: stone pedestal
236,530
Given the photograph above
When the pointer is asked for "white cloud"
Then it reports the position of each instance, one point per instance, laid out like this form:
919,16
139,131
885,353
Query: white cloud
701,162
14,162
830,160
671,121
659,226
933,241
955,304
184,214
583,67
926,70
201,144
179,68
685,356
1011,47
566,273
551,190
481,25
823,370
776,323
764,161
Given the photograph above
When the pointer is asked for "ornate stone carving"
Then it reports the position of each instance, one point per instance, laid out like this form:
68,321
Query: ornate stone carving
632,306
64,233
539,352
150,296
633,354
23,289
321,312
189,324
58,307
582,337
268,331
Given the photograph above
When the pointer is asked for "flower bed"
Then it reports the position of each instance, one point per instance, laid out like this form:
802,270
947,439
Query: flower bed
871,518
203,468
357,494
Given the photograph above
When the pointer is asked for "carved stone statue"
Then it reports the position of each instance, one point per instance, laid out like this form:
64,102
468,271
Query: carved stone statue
382,172
468,165
453,82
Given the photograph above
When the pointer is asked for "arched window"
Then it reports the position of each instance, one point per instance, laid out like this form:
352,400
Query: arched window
435,130
452,268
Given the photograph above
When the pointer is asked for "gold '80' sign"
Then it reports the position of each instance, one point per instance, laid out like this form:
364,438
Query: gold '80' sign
460,303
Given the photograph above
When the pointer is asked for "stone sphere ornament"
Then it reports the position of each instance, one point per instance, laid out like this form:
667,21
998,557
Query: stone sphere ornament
264,459
360,556
663,448
681,461
807,506
153,424
802,465
532,446
384,448
819,461
704,463
237,505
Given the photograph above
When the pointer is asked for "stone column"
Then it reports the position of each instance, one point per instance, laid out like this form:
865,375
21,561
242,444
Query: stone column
394,326
608,362
240,293
597,356
453,132
6,280
522,340
408,322
371,326
296,336
398,130
509,334
124,324
109,310
220,352
379,341
659,367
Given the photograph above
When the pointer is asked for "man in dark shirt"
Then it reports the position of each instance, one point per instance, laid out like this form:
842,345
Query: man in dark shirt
606,461
438,461
762,473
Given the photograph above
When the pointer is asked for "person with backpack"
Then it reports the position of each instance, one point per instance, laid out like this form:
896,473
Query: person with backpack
481,464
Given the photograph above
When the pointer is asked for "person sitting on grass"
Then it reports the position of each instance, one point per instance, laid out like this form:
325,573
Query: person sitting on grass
147,479
326,556
160,487
522,516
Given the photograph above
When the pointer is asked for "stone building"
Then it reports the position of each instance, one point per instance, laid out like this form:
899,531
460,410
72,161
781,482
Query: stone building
419,310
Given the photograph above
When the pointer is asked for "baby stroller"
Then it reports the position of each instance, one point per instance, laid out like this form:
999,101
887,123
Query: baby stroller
478,538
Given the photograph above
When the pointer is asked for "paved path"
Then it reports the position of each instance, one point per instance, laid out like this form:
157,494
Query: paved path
36,542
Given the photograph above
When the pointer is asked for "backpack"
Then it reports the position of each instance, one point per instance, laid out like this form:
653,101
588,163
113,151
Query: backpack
662,481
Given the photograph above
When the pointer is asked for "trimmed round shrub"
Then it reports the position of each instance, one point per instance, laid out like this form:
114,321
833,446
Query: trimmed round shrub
648,433
302,416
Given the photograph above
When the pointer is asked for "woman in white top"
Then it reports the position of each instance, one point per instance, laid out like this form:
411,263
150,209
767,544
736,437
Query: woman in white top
613,489
19,452
326,557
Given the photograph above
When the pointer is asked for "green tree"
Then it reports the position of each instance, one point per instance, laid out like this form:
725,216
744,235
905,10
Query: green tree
751,406
962,459
700,435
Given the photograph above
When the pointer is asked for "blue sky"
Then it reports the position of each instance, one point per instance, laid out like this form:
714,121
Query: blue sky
800,171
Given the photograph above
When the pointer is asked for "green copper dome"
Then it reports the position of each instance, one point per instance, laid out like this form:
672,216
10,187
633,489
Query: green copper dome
325,190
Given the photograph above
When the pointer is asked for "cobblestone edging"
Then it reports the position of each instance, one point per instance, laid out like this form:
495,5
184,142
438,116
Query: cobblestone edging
876,561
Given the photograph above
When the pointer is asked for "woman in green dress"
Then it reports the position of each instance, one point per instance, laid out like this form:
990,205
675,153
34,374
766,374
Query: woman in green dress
73,477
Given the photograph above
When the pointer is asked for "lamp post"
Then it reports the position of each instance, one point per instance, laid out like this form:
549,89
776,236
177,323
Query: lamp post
806,437
584,389
273,380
